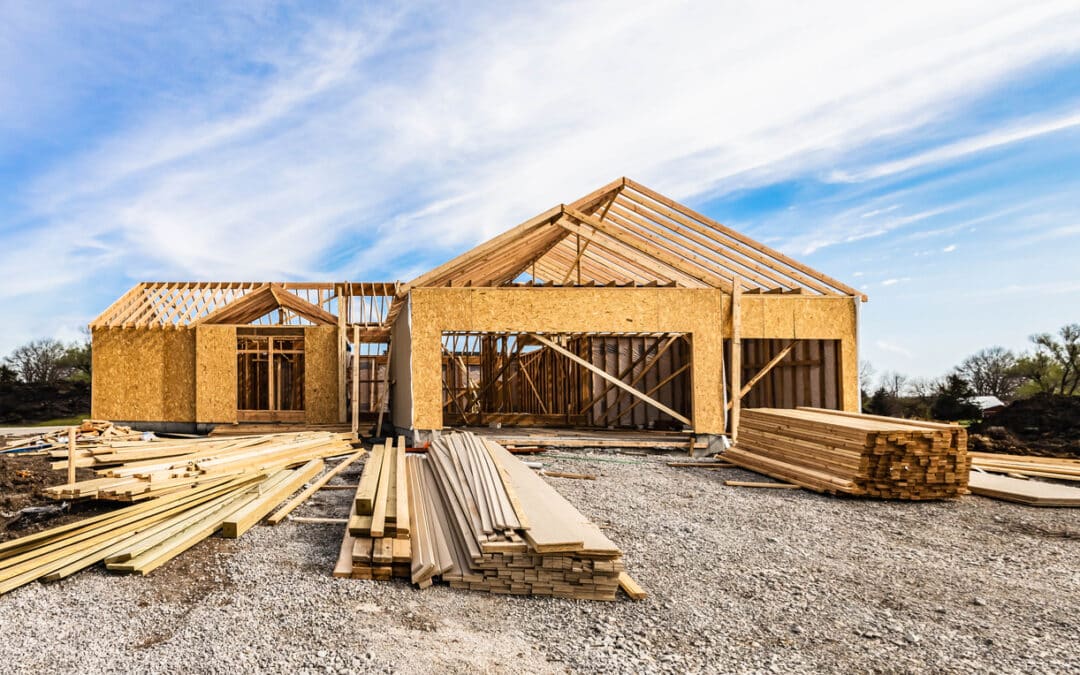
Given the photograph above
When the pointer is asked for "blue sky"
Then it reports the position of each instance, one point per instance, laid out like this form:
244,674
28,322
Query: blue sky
928,153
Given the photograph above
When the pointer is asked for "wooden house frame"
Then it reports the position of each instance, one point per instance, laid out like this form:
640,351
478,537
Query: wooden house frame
621,309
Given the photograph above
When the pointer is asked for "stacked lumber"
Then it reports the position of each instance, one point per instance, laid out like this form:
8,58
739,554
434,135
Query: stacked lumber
482,520
379,546
865,455
135,471
140,537
1025,466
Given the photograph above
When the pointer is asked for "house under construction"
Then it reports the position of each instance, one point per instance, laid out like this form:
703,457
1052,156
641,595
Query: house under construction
621,310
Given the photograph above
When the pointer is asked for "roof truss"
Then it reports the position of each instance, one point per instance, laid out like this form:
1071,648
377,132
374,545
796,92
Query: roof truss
627,233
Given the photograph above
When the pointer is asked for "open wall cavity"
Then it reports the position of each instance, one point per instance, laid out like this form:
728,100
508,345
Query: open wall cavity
370,394
575,379
808,373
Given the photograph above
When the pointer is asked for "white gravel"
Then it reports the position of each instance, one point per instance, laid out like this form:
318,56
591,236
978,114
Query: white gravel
741,580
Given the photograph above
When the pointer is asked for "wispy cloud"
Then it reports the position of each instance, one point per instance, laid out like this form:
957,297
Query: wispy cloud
960,149
949,249
893,348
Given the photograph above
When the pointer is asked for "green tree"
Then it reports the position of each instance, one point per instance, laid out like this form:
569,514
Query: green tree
1064,354
953,400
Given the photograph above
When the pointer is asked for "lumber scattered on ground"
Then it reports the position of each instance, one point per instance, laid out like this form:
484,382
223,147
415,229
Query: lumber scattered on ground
865,455
136,470
1030,492
481,520
567,474
209,487
90,433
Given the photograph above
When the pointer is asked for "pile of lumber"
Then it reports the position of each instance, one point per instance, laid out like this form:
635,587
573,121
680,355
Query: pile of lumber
482,520
138,470
180,501
864,455
89,434
1024,491
1025,466
380,520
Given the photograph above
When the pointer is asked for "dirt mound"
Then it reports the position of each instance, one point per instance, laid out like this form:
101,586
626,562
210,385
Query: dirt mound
25,403
1045,425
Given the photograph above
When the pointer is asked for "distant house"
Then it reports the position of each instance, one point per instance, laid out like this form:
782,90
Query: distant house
988,404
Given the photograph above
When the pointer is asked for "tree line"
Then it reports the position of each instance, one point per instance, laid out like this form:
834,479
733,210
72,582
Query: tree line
1051,366
47,362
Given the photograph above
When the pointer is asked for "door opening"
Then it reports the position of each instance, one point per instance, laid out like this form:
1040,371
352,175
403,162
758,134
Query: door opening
270,376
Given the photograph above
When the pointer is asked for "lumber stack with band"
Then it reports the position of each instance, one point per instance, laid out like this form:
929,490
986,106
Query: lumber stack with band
865,455
379,522
481,520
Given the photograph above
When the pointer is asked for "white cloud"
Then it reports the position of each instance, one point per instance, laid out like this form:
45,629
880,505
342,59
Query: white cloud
890,282
893,348
949,249
372,145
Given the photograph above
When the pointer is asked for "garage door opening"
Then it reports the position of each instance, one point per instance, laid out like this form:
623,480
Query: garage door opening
601,380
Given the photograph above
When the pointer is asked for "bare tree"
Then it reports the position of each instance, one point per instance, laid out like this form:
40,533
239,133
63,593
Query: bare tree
991,372
894,383
39,362
866,375
1065,354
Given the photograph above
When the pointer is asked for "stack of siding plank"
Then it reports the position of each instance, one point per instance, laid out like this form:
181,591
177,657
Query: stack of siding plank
1026,466
228,489
378,540
482,520
864,455
134,471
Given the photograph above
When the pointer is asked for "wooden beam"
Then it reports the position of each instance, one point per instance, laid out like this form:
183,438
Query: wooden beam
736,356
762,373
356,383
299,499
610,378
71,456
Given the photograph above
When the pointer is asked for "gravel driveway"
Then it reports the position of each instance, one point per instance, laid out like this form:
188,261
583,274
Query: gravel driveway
740,579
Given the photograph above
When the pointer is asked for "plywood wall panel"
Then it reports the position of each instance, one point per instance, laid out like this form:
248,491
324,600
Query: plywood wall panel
321,374
215,374
178,353
128,374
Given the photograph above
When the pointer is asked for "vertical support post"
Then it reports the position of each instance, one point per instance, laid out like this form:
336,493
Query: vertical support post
342,308
356,382
385,395
271,375
71,456
736,356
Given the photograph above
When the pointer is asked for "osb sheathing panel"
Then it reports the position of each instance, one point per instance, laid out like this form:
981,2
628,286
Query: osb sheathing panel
179,375
215,374
128,374
321,374
567,310
401,396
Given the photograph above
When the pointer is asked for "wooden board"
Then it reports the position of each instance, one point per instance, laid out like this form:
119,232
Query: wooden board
1030,492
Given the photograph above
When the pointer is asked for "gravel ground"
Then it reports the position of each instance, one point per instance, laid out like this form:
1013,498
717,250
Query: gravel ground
740,580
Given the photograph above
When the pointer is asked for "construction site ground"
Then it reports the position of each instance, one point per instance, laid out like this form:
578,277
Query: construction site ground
739,579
